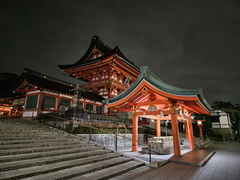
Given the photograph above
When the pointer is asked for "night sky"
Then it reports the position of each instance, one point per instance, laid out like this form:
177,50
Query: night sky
189,44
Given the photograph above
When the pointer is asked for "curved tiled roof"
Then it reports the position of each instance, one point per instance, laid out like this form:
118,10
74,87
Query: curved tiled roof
102,47
52,84
155,81
147,75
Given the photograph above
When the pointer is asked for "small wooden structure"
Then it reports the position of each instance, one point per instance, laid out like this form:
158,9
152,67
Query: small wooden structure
149,97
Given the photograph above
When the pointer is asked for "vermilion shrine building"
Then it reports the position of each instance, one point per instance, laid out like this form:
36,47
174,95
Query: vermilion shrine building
149,97
45,94
106,71
122,86
117,79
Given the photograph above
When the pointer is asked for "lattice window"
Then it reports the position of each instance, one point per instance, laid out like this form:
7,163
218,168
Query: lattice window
32,102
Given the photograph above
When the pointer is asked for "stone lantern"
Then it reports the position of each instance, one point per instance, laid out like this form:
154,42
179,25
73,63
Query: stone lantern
77,95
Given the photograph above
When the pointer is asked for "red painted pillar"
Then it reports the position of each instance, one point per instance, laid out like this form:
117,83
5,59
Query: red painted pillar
200,131
135,133
158,128
186,129
39,106
57,103
190,133
175,133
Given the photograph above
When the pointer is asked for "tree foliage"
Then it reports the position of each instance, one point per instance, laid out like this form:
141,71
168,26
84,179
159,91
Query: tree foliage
7,82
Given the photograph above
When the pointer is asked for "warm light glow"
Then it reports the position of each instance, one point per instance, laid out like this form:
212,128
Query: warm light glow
199,122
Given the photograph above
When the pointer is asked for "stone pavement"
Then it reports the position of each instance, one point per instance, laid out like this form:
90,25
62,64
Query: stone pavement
199,156
223,165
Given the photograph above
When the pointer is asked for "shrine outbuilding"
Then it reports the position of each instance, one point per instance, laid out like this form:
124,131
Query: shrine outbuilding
45,94
151,98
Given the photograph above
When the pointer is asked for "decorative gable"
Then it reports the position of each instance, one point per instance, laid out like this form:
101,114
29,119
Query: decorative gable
96,53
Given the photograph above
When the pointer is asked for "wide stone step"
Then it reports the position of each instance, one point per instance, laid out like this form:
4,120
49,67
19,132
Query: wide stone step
18,157
30,150
5,138
17,121
29,136
37,140
111,171
23,125
69,172
37,149
132,174
48,133
73,158
40,144
22,128
31,133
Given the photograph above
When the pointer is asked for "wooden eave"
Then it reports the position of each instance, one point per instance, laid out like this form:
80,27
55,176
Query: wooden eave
97,46
24,86
146,80
122,66
104,64
32,80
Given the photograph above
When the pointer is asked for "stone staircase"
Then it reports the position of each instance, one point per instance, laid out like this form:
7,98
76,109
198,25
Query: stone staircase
30,150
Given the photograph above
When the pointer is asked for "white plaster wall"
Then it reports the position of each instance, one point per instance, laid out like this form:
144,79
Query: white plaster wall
29,113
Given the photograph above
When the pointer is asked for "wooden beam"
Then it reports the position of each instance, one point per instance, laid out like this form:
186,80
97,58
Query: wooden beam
158,117
155,113
130,103
155,102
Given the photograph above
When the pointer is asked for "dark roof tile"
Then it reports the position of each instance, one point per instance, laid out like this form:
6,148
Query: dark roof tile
101,46
52,84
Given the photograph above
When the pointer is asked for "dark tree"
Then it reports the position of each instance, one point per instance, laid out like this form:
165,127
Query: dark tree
7,82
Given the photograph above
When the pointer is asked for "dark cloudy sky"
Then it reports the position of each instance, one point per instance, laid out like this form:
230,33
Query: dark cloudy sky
189,44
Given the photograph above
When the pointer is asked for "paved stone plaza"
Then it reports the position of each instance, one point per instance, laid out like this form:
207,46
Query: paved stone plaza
223,165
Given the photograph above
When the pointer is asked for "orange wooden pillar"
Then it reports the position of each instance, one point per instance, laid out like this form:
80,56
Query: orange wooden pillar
175,133
40,102
199,123
158,128
190,133
200,131
186,129
135,133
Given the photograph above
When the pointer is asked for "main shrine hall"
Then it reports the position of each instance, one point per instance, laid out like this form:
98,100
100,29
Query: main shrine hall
106,70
